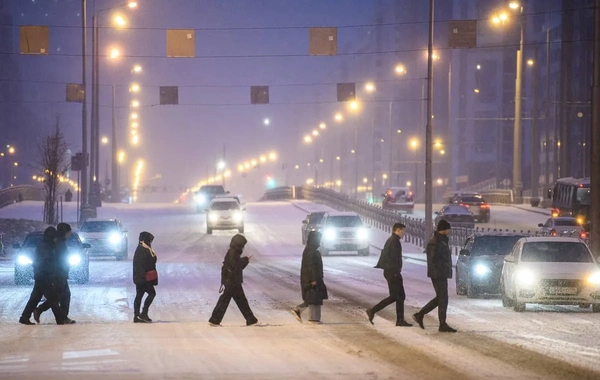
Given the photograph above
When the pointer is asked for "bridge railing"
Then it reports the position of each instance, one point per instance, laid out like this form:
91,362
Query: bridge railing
10,195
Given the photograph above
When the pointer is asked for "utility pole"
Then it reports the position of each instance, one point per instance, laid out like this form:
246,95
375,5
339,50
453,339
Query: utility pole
428,130
391,145
535,134
84,136
116,186
595,153
517,178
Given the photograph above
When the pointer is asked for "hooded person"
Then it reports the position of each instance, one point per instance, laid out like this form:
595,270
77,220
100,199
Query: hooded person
232,278
44,268
61,275
145,277
311,280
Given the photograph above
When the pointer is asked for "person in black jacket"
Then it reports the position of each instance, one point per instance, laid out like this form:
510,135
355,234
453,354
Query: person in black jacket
311,280
231,281
439,269
391,263
144,261
61,275
44,266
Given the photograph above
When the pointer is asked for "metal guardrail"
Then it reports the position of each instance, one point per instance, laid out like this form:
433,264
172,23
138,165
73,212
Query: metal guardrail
385,219
10,195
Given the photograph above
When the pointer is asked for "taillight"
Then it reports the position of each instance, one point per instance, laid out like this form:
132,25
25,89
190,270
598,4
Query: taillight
484,205
583,235
553,233
462,204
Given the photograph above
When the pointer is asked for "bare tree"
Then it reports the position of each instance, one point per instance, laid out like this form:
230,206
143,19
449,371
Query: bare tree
53,161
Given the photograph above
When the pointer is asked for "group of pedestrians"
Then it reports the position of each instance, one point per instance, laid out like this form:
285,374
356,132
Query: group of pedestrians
51,275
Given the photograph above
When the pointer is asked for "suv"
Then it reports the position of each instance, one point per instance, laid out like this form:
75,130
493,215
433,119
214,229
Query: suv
313,222
224,214
398,198
480,262
206,194
79,259
107,237
475,202
344,231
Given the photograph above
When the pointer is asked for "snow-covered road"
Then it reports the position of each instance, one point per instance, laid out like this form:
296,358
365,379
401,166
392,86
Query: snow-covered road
493,342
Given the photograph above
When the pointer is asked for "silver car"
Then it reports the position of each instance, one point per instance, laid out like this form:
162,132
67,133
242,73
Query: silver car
562,226
107,237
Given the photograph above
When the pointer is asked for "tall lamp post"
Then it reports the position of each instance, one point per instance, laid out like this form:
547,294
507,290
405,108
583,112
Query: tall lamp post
414,145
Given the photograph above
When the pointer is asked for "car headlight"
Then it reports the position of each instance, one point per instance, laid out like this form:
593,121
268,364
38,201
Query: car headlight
238,216
481,270
24,260
526,278
114,238
74,260
594,279
212,217
362,234
200,199
329,234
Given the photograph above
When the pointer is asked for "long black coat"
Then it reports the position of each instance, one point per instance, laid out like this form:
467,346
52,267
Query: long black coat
311,270
439,257
232,271
44,265
62,258
143,261
391,255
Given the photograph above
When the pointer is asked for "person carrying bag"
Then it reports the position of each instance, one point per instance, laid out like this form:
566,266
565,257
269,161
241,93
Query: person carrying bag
145,277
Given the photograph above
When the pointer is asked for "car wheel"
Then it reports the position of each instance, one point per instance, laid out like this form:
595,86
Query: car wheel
519,307
596,308
460,290
241,230
364,252
471,290
209,231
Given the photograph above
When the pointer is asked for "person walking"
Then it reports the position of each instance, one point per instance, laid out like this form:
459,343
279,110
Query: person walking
313,287
439,269
44,265
61,275
391,263
232,279
145,277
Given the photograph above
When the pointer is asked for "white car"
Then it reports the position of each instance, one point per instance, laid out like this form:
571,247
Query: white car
343,232
107,237
550,271
563,226
224,214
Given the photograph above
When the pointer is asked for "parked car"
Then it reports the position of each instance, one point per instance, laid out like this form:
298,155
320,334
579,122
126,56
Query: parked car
550,271
78,258
108,237
563,226
344,231
475,203
456,215
205,195
398,198
479,265
313,222
224,214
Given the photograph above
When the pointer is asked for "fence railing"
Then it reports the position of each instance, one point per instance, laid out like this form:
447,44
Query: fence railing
16,194
385,219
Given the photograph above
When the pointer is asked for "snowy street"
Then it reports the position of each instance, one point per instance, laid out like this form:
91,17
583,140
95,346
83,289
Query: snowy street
546,342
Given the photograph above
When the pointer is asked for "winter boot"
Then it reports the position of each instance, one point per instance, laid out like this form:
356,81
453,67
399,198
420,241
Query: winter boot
36,314
370,315
296,315
403,323
137,319
419,319
24,321
446,328
145,317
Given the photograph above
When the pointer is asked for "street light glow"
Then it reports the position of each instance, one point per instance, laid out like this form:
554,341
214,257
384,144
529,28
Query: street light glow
263,159
137,69
134,124
339,117
120,21
322,125
135,140
114,53
408,183
370,87
132,4
354,105
272,156
530,62
134,88
121,156
315,132
513,5
476,90
267,121
134,116
221,165
400,69
135,103
478,67
414,143
338,158
307,139
104,140
384,176
11,150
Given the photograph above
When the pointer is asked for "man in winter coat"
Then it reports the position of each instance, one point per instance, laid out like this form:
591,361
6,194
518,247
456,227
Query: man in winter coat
44,267
311,280
391,263
61,278
439,269
231,280
144,261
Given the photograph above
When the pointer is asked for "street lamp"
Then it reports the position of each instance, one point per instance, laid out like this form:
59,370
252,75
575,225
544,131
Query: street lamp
322,125
339,117
137,69
414,145
266,121
134,88
114,53
307,139
400,69
135,103
315,132
369,87
104,140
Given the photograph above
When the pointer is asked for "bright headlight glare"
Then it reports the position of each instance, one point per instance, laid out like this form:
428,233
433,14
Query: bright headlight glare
24,260
114,238
362,234
481,270
237,216
329,234
526,278
594,279
200,199
213,217
74,260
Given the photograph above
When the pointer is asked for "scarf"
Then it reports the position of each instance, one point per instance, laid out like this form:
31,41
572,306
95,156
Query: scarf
148,248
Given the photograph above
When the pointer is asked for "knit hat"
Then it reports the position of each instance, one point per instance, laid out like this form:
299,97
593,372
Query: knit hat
443,225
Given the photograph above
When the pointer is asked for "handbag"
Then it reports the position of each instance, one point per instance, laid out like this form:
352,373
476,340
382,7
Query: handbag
151,275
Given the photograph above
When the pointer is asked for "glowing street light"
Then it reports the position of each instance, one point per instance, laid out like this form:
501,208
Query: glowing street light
221,165
514,5
339,117
272,156
354,105
322,125
307,139
11,150
137,69
134,88
266,121
134,116
530,62
121,157
135,140
132,4
104,140
135,103
134,124
297,167
400,69
114,53
120,21
369,87
408,183
315,132
241,168
263,159
414,143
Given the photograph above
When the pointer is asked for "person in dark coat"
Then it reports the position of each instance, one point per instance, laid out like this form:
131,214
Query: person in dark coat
68,195
391,263
61,275
44,267
439,269
144,261
311,280
232,278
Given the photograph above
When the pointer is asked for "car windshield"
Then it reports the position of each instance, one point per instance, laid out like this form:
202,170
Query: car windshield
556,252
316,218
212,190
98,226
494,245
472,198
32,241
344,221
566,222
460,210
225,206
